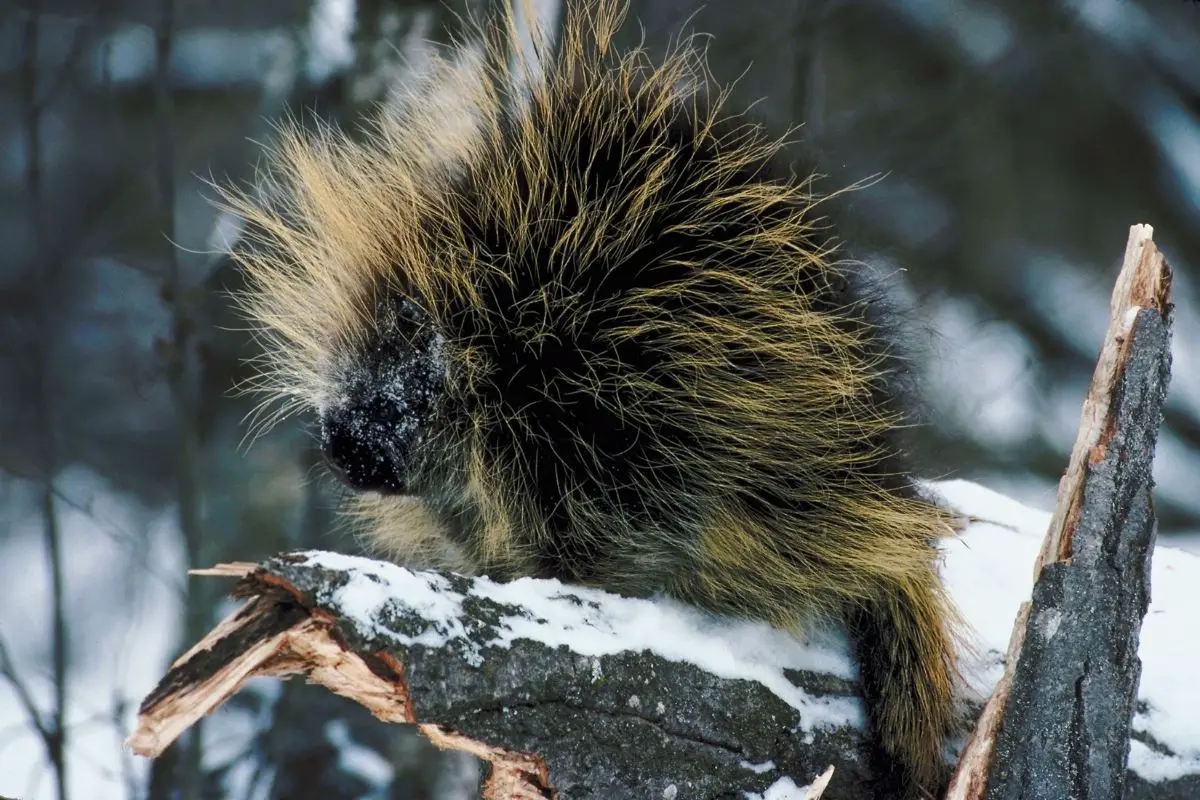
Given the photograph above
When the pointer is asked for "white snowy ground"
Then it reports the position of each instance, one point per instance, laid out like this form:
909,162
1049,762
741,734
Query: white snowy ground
988,570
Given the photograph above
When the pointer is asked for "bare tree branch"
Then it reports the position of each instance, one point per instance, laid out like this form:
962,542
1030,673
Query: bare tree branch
9,670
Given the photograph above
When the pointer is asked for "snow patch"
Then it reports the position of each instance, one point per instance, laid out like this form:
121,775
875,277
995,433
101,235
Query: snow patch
783,789
595,624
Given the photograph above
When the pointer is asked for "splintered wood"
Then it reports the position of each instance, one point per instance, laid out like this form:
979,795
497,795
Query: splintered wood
274,634
817,788
1144,283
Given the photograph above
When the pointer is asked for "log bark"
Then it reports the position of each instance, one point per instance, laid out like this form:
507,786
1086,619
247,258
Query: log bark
494,679
625,724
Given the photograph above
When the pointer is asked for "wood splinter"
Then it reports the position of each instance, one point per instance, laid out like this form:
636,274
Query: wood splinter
274,635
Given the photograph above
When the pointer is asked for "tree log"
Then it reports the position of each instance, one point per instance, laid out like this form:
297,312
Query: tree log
535,678
488,662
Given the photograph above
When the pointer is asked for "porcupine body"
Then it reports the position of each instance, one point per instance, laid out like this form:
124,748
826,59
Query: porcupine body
591,328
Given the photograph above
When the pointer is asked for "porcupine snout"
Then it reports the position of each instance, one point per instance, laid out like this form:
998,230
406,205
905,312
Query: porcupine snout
357,444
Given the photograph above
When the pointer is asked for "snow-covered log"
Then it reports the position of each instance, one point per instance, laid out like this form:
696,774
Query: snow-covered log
617,697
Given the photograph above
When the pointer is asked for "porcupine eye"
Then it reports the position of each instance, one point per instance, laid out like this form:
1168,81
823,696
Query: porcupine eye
372,433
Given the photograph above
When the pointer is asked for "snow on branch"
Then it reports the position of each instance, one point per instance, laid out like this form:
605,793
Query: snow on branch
616,694
575,693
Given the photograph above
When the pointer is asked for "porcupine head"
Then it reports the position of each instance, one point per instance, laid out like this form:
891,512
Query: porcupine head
585,325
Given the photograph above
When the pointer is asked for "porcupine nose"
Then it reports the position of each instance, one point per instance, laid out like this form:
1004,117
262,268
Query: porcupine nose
356,446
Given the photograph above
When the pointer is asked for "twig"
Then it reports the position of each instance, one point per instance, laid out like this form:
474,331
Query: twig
9,670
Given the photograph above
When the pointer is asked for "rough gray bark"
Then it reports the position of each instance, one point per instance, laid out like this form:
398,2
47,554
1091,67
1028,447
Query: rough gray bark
1067,724
610,737
627,725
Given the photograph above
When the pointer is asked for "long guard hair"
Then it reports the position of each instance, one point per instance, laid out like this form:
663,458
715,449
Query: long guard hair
590,326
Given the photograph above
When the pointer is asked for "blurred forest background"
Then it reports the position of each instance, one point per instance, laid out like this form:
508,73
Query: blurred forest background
1017,141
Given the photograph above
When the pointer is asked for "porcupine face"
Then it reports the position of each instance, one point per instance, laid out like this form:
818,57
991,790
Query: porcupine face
371,429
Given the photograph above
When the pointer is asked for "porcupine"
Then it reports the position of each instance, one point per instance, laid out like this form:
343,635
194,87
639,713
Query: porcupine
590,326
